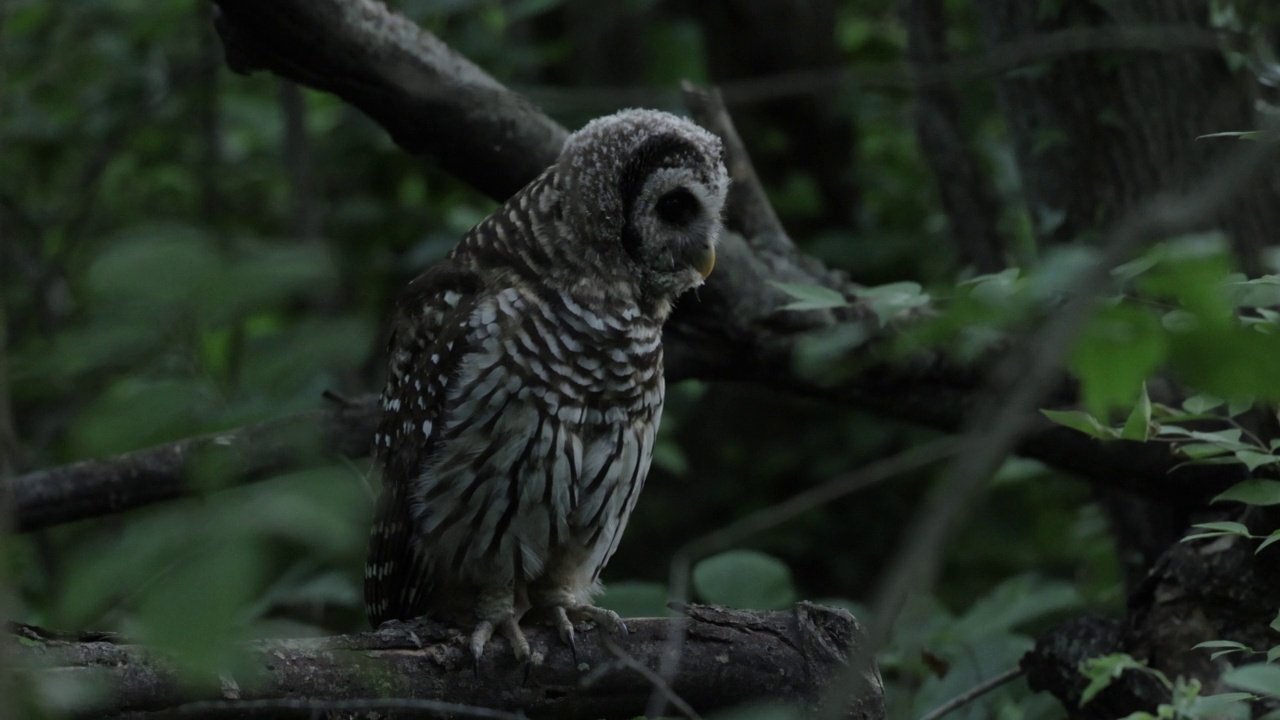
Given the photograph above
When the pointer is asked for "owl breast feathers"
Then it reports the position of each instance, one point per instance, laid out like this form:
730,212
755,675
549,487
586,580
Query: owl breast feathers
525,382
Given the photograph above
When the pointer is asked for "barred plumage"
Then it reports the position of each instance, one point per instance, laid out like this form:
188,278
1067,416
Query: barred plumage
525,382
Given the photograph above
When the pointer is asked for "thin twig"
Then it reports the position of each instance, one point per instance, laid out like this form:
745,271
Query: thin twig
973,693
659,685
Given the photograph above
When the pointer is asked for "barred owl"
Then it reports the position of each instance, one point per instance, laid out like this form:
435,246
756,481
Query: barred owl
525,383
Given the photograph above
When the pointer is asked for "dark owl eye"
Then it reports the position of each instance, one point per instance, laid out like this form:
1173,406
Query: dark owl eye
678,207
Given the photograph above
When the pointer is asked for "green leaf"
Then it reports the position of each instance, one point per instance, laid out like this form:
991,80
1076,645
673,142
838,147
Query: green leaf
1082,421
669,456
1013,603
1254,459
1260,678
214,586
1240,405
810,297
1197,451
1226,526
153,271
994,288
1223,706
1138,425
1224,647
1224,358
888,301
1217,644
1253,491
1275,624
744,579
1140,265
1273,654
1101,671
1273,538
1262,292
1228,440
1218,529
1201,404
1119,349
1192,272
1264,135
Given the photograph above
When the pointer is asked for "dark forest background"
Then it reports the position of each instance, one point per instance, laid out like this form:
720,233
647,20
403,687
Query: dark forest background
184,250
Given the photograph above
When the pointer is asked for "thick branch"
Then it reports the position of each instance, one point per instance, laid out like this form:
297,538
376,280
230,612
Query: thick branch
733,657
433,101
254,452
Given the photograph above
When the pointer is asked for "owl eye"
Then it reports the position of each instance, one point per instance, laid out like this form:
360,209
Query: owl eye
678,207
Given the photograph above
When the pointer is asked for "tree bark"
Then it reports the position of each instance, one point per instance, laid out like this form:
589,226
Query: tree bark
1094,134
1198,591
731,657
966,193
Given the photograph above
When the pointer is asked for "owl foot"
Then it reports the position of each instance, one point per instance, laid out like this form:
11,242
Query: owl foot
508,628
564,615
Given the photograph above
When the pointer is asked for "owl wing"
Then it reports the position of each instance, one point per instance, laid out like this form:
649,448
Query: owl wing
428,340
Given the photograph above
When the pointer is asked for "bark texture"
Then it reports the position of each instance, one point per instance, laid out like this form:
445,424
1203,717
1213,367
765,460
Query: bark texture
730,658
1199,591
1096,133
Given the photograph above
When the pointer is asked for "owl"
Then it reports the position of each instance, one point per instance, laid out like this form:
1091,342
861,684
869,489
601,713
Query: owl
525,386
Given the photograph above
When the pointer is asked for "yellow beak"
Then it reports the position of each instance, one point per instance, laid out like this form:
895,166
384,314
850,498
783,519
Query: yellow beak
708,263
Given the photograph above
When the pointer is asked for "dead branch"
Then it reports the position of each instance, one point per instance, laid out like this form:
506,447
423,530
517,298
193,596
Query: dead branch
733,657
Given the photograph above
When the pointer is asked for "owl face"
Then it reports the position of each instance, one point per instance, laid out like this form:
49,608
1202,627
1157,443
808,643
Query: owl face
655,189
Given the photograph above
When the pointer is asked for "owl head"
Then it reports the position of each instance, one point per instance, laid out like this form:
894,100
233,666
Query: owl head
648,190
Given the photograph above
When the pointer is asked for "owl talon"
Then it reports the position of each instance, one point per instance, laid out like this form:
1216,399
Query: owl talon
479,637
567,634
519,643
608,620
564,625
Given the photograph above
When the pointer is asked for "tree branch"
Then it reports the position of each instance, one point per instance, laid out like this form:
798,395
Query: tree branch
254,452
433,101
733,657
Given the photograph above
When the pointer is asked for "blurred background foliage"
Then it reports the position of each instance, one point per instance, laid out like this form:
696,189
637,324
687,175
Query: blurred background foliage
186,250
